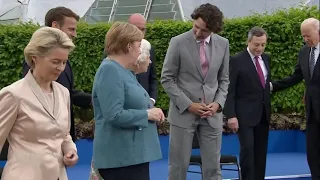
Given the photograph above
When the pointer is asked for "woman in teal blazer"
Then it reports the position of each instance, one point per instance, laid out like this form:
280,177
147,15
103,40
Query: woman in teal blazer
125,138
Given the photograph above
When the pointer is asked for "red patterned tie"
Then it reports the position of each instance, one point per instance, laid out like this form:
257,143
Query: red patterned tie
260,72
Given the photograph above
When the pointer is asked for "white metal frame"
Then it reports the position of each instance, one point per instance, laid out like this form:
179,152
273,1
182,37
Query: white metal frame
113,10
181,10
147,9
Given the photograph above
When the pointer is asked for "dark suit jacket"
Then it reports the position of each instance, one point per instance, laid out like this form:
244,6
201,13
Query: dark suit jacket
77,98
301,71
3,155
246,99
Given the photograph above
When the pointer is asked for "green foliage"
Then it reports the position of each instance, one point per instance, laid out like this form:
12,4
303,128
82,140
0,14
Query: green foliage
13,40
284,42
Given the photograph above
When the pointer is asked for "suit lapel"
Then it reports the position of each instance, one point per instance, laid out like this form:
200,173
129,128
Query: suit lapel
316,68
252,67
213,52
195,54
68,71
35,88
56,99
266,63
305,63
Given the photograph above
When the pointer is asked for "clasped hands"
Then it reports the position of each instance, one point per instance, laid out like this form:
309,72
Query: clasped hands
204,110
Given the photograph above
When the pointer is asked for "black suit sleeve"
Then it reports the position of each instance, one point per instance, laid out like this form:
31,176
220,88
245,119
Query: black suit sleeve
81,99
153,81
289,81
25,69
4,152
229,109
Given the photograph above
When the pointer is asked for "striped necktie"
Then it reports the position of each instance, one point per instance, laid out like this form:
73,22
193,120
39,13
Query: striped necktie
312,61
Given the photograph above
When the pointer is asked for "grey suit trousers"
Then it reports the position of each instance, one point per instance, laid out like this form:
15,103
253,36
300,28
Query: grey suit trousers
181,146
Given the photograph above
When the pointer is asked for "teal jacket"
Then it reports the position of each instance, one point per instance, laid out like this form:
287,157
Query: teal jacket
123,135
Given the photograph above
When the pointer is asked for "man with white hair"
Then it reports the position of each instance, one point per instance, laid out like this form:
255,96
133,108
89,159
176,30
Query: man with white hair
308,68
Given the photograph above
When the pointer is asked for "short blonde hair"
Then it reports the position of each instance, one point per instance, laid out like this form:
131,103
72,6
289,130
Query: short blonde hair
119,36
44,40
145,51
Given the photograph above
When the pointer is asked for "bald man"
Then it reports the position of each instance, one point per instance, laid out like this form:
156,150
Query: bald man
308,68
147,80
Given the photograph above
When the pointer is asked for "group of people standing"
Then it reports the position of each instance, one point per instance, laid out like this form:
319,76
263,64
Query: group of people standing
248,103
201,79
36,115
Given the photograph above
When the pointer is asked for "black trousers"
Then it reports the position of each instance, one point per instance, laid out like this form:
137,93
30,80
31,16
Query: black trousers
135,172
313,145
253,150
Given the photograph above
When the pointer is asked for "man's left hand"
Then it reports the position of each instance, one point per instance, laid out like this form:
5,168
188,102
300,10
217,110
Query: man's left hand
213,109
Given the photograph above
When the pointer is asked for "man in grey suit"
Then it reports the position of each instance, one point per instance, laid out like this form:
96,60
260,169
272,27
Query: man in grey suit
195,75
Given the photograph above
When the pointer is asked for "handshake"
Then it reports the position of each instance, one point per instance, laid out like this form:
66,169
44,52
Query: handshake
204,110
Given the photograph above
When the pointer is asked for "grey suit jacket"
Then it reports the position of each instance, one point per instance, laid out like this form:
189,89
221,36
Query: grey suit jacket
182,79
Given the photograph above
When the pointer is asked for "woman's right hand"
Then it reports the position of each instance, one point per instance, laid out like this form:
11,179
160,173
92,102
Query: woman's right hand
155,114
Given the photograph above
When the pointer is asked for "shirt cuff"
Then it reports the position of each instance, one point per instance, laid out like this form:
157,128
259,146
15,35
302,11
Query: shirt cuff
154,101
271,87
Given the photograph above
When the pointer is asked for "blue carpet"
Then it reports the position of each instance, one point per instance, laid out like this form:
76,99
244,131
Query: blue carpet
286,158
279,165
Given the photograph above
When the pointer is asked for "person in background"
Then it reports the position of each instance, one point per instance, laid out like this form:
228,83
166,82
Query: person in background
125,137
248,104
148,79
195,75
140,67
308,69
66,20
35,113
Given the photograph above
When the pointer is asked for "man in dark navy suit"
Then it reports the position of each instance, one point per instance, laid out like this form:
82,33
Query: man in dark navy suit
248,104
147,80
66,20
308,69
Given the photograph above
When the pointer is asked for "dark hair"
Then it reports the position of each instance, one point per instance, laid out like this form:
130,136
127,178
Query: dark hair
58,14
256,31
211,15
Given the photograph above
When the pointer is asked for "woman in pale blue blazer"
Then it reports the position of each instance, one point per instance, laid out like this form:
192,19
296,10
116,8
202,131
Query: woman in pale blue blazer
125,138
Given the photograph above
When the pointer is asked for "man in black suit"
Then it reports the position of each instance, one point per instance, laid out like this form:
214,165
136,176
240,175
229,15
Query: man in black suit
308,68
66,20
248,104
147,80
